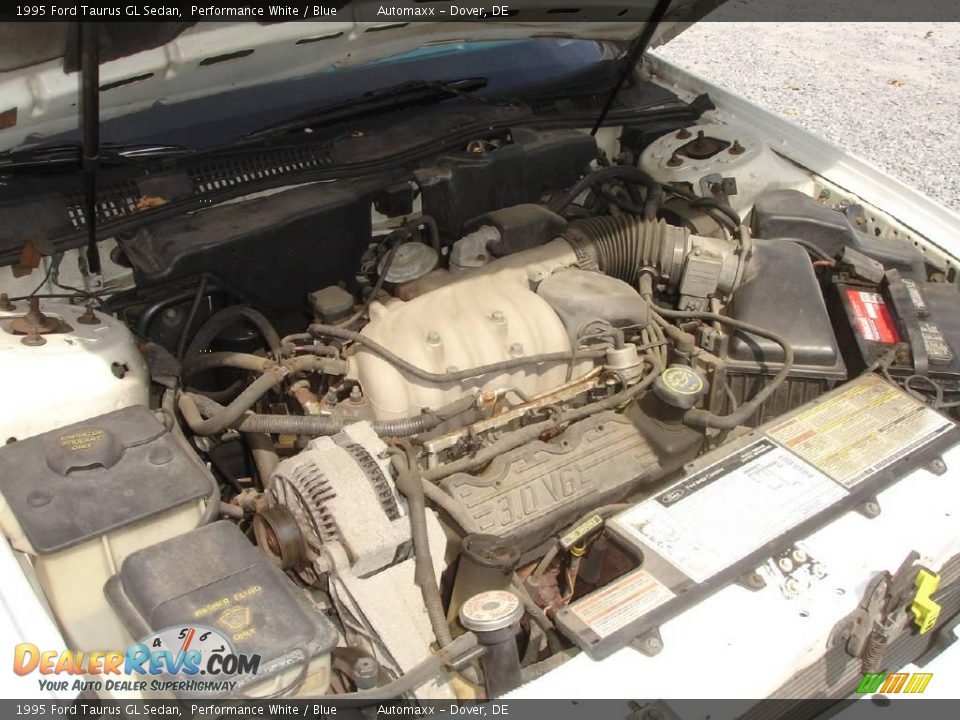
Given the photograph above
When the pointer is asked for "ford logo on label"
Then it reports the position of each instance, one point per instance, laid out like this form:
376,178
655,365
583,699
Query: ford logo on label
673,495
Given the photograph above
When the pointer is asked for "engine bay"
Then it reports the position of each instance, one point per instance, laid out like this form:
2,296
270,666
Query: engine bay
386,421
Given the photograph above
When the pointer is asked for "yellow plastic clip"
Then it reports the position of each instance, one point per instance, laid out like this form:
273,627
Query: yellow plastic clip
925,610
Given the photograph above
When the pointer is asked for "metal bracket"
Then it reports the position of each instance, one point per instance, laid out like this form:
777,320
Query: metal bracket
936,466
869,508
649,644
752,581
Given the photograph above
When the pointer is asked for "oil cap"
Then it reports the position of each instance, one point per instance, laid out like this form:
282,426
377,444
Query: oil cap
490,611
680,386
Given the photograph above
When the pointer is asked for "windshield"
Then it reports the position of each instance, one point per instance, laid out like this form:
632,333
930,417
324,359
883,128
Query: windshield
512,68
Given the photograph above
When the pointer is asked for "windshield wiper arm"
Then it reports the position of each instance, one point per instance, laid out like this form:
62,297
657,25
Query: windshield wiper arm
408,94
71,154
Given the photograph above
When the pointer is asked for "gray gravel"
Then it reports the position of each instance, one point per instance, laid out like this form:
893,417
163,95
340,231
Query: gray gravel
886,92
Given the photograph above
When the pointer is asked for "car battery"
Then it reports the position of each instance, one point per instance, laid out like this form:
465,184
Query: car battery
921,318
214,587
79,499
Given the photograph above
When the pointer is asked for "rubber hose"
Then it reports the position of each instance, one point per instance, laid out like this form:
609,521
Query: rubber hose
627,173
705,418
212,510
316,425
622,246
232,412
452,508
234,360
446,377
696,200
264,455
409,483
220,321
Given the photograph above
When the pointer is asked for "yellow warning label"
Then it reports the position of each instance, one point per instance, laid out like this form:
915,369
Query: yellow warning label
861,430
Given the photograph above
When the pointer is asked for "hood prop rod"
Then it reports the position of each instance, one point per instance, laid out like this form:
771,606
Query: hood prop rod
637,48
90,129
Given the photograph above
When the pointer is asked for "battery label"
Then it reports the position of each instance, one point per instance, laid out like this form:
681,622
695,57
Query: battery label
728,510
860,431
872,317
935,344
621,602
916,297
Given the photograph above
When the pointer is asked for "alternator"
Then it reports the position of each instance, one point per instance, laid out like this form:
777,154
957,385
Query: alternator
338,489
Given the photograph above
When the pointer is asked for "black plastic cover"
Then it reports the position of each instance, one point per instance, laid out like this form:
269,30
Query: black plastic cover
581,297
213,576
271,251
521,227
790,213
781,293
84,480
464,185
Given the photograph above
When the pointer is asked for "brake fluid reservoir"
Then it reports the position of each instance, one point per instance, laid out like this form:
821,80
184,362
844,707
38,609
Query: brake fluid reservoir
726,162
63,365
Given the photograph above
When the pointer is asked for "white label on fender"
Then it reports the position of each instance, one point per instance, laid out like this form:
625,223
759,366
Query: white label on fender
722,514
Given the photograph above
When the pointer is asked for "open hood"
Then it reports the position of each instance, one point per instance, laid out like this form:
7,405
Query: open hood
143,64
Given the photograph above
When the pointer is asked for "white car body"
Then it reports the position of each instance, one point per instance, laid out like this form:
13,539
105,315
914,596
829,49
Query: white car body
737,643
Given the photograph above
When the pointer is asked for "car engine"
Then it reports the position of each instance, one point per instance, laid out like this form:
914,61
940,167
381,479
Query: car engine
382,423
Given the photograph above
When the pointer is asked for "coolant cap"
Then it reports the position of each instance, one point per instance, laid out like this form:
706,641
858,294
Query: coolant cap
680,386
490,611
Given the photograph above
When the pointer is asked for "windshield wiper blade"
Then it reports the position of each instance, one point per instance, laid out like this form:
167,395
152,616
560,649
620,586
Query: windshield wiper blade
70,154
396,97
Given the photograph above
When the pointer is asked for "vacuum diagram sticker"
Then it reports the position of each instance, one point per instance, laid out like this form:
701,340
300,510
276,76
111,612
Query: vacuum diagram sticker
621,602
861,430
722,514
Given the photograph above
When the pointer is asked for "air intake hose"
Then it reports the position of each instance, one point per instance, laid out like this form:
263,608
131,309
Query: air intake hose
624,246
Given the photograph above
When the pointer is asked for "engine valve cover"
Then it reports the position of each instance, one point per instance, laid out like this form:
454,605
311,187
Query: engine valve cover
532,492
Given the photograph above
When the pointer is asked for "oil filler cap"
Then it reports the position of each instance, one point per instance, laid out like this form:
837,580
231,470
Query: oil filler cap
680,386
490,611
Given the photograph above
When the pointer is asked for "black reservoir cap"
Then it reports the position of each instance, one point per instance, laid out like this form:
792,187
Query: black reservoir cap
85,480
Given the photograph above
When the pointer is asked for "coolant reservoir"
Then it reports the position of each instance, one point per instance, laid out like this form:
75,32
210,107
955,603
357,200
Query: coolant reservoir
78,364
78,500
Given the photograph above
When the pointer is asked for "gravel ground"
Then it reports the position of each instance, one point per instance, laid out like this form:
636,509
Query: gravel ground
886,92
